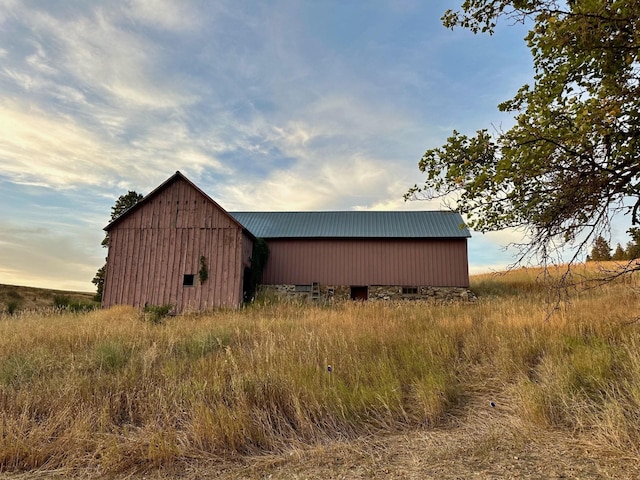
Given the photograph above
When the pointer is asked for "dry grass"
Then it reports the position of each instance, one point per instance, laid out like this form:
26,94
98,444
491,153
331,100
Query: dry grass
111,392
15,298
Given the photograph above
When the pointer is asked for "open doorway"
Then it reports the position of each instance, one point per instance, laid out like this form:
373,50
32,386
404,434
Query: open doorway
359,292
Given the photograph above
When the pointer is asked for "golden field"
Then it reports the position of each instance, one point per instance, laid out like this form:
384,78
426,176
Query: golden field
111,392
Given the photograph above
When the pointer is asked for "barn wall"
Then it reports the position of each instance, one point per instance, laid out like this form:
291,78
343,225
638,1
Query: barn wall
368,262
155,246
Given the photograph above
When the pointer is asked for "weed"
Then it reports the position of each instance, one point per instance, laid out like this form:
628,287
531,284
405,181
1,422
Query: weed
111,356
17,370
157,313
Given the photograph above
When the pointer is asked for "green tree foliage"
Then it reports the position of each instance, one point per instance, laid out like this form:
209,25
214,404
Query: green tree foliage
601,251
571,159
123,203
203,273
619,253
98,281
633,247
259,257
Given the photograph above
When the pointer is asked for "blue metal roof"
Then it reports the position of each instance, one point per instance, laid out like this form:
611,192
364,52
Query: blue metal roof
353,224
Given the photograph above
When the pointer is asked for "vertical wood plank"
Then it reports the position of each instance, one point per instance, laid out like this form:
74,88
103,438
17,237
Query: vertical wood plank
220,268
190,268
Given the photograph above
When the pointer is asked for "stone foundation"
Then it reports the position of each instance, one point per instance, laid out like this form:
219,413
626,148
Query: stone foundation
329,293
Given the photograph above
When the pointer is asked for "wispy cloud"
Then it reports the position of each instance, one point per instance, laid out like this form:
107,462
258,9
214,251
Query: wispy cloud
281,105
166,15
37,147
25,258
100,54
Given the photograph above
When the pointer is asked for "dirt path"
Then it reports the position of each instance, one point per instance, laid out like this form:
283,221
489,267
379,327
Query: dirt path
487,444
483,442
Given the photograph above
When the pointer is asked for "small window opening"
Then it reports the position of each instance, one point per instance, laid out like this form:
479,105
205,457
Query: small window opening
189,280
359,292
409,290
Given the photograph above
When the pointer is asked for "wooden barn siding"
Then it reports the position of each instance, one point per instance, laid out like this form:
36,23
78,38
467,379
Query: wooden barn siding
155,246
368,262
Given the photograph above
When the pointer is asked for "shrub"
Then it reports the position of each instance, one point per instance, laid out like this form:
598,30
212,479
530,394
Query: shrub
61,301
12,306
157,313
79,307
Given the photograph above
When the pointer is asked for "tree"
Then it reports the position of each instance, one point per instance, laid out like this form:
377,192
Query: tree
633,247
570,162
601,251
123,203
619,253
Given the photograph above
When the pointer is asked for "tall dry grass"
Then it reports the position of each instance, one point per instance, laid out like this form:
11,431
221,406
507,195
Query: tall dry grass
111,391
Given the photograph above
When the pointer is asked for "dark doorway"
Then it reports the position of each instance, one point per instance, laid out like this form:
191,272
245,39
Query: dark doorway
359,293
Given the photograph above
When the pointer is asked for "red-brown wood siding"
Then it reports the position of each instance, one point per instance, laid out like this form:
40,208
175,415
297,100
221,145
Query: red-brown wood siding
368,262
152,249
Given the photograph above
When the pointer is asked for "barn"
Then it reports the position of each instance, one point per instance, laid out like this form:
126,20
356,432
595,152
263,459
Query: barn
161,250
178,246
362,254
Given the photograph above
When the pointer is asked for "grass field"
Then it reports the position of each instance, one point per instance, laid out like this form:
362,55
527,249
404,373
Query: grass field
110,391
15,299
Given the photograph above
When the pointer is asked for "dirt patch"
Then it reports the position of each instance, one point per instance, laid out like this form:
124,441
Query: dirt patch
487,444
482,441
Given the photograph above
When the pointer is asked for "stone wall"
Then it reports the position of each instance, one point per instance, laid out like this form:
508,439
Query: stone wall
328,293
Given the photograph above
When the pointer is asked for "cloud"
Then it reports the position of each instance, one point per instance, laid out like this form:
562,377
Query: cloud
121,114
94,48
26,259
274,106
346,182
118,61
36,147
335,162
176,16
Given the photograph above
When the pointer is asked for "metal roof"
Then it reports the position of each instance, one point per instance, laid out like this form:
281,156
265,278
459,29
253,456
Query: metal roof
354,224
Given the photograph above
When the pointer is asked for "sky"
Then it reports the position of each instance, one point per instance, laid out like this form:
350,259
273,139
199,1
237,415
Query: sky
272,105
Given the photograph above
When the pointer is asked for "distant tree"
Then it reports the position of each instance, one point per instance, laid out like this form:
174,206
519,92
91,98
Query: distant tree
570,161
633,247
619,253
123,203
601,251
98,281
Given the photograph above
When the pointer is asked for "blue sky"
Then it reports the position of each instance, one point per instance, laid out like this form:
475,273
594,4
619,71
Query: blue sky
266,105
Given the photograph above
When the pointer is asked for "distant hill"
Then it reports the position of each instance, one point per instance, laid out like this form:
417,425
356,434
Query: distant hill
18,298
511,282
